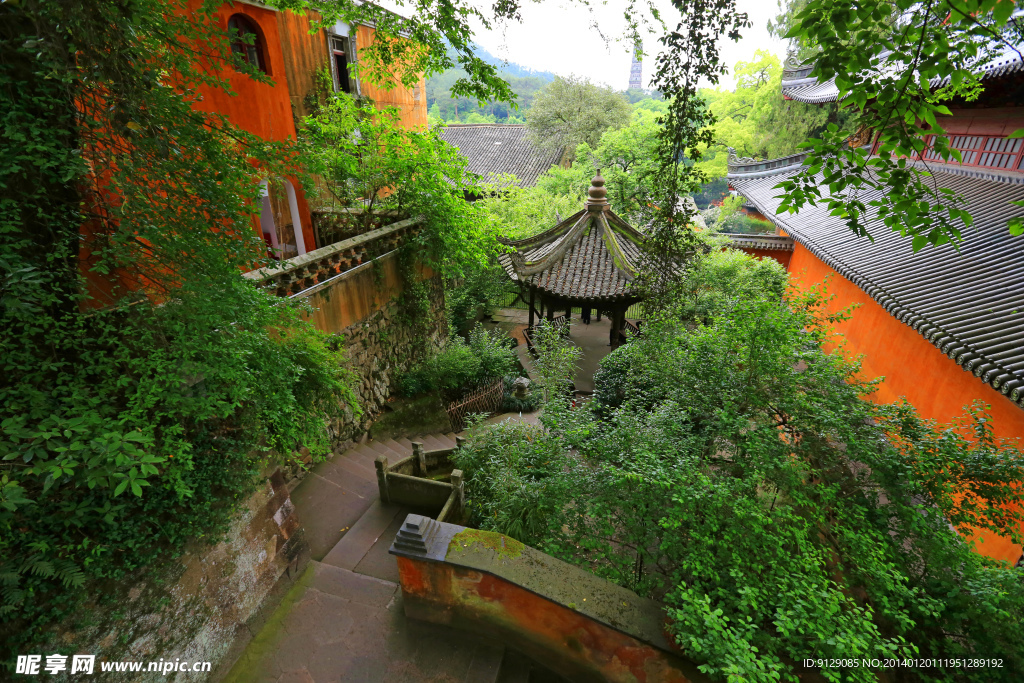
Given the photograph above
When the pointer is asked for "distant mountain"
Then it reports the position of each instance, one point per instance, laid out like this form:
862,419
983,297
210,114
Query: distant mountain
511,68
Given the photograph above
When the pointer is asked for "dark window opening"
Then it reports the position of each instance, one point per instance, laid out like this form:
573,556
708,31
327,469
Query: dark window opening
246,42
340,55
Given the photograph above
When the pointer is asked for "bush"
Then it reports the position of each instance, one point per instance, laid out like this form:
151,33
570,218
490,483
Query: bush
462,365
509,468
745,482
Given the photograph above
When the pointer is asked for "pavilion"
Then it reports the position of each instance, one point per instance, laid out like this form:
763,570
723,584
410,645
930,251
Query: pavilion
588,261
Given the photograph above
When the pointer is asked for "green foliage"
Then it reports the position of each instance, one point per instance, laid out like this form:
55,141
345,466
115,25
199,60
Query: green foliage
885,57
448,108
520,212
510,471
744,480
556,361
571,111
143,378
462,365
480,290
364,157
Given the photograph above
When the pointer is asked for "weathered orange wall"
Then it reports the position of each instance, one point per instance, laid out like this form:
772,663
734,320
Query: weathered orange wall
263,109
357,295
411,103
912,367
587,649
305,53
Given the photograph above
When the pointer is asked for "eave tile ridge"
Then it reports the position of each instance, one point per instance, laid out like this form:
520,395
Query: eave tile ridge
747,167
767,242
991,371
620,259
546,236
526,268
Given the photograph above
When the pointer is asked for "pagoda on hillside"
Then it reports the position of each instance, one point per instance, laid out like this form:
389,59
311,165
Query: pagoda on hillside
588,261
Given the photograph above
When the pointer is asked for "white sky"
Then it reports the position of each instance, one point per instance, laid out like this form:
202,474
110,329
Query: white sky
557,37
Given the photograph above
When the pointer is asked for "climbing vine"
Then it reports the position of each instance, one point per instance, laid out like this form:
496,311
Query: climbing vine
142,377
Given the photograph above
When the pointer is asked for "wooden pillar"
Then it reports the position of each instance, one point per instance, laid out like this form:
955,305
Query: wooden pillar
568,313
613,335
551,311
533,294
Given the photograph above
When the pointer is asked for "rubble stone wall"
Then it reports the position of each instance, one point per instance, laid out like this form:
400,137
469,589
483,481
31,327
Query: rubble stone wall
194,608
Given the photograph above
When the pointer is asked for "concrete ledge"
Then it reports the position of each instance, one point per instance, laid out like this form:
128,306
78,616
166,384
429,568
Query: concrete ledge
581,626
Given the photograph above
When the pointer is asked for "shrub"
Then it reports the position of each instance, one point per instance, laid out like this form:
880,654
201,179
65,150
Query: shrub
462,365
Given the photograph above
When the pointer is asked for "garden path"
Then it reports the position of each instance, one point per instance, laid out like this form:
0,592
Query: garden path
343,619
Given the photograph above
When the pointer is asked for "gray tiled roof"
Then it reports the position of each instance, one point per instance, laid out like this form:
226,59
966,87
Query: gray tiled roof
970,304
767,242
495,148
592,255
798,83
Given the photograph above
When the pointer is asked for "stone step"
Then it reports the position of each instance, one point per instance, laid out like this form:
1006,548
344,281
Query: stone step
364,455
355,468
358,540
433,443
515,668
382,449
329,501
398,448
406,444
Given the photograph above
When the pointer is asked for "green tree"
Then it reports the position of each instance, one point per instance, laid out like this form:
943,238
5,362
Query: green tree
571,111
364,157
896,65
740,477
143,376
756,120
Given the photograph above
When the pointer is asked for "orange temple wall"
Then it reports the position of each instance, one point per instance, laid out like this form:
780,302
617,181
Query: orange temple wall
912,367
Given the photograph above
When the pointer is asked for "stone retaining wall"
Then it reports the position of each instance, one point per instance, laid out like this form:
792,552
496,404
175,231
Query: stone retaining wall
194,608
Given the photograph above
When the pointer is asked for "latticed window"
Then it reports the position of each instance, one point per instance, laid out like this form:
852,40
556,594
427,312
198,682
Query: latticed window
246,41
990,151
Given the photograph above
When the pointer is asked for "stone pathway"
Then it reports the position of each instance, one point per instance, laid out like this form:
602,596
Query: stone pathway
343,620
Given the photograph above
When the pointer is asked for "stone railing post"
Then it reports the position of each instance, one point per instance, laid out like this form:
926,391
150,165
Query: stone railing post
421,457
459,484
381,465
460,441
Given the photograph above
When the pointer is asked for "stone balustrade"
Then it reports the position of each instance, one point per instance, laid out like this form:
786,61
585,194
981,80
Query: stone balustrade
303,272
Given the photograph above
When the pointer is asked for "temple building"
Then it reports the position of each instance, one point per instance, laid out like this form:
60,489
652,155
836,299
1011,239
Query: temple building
284,46
944,326
588,261
498,151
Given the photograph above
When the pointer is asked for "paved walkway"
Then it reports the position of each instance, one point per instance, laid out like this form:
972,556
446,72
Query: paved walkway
343,619
591,339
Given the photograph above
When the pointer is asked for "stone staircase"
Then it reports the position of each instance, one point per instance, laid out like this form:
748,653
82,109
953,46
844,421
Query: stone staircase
343,619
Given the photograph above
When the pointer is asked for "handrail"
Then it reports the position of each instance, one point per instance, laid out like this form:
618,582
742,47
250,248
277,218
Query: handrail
303,272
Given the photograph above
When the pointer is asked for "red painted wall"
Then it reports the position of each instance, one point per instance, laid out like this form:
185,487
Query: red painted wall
263,109
574,645
912,367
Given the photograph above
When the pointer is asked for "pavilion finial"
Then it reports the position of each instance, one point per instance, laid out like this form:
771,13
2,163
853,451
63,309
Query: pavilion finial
597,195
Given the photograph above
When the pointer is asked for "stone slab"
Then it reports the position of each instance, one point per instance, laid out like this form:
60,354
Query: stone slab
354,545
326,510
378,562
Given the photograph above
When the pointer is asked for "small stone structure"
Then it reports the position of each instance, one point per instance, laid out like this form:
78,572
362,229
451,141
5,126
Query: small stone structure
581,626
417,482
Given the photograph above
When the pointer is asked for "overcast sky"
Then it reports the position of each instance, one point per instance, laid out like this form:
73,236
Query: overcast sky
558,37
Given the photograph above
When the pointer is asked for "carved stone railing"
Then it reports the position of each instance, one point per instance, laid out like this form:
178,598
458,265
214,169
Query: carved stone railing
331,225
308,270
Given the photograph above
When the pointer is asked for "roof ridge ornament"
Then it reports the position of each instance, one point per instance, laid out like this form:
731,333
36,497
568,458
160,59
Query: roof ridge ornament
597,195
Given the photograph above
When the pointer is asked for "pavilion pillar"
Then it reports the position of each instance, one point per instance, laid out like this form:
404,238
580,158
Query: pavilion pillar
533,294
617,319
551,311
568,313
